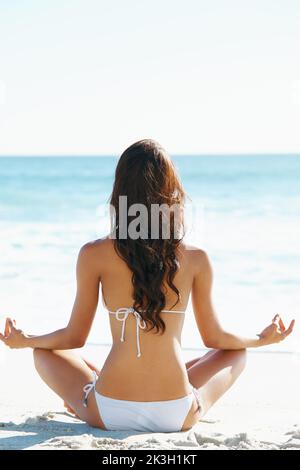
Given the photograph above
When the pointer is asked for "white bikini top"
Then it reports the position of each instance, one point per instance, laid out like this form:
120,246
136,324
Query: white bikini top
122,314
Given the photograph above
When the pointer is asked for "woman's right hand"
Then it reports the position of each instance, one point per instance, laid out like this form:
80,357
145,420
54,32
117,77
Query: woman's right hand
276,331
13,337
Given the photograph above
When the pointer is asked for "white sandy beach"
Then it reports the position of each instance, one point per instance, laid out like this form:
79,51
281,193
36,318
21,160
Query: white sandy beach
262,411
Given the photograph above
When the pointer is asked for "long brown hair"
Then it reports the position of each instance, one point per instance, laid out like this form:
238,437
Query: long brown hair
146,175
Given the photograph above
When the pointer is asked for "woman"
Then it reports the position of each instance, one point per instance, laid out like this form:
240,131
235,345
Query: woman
146,282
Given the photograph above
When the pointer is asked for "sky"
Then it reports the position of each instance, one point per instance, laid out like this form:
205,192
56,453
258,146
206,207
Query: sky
92,76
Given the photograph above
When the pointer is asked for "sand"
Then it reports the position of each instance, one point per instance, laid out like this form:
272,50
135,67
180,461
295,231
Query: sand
261,411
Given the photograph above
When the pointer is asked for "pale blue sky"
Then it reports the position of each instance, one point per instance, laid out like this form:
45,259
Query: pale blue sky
92,76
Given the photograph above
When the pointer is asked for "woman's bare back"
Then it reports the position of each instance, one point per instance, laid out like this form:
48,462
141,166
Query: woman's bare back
159,373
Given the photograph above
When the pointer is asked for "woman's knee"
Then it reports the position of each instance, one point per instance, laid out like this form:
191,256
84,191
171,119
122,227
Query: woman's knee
242,355
239,357
39,356
235,358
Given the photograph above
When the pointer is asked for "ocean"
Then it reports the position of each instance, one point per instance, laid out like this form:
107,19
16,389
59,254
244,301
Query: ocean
243,210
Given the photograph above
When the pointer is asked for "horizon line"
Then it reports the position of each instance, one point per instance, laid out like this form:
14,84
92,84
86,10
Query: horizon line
111,155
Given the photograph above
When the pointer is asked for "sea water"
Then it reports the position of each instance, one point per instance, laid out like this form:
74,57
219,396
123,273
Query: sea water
243,210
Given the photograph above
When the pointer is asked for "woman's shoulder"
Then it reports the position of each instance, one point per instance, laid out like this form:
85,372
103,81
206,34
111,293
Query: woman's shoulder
197,256
96,254
98,243
193,250
99,246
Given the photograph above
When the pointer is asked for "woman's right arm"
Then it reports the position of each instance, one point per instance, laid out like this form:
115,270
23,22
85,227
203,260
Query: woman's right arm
212,333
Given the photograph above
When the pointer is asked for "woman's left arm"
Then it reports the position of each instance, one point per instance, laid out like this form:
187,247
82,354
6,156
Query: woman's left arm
75,334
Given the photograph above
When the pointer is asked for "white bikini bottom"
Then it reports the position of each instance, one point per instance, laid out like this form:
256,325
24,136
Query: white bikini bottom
143,416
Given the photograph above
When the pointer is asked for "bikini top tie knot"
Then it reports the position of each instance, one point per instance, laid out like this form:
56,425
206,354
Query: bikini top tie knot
121,314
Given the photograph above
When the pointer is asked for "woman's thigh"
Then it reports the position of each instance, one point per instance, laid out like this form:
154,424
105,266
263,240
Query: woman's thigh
66,373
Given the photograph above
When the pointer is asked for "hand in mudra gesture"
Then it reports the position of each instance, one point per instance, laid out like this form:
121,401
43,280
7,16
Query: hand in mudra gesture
13,337
276,331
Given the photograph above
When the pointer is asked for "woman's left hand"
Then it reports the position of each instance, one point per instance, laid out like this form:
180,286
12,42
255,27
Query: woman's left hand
13,337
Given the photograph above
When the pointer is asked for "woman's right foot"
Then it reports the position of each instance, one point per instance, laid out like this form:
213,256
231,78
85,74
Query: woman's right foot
69,409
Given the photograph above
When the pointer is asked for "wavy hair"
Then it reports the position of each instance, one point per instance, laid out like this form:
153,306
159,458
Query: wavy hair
146,175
